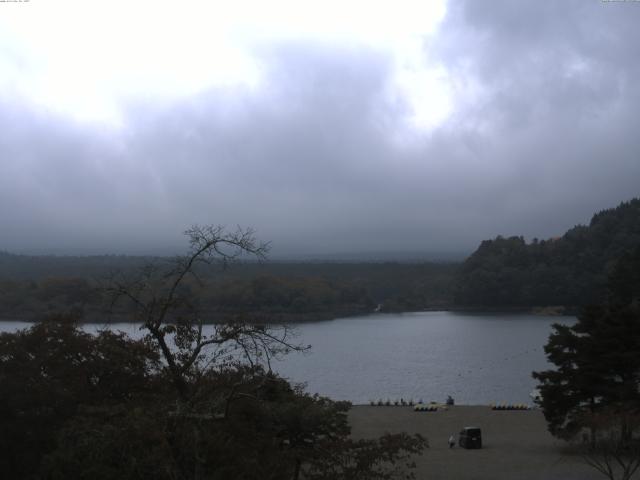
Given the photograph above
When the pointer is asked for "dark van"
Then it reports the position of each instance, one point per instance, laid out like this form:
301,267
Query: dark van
470,437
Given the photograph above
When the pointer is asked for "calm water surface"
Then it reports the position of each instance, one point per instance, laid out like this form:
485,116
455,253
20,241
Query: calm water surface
428,355
476,358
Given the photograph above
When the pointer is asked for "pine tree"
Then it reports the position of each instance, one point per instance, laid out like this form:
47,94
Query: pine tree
597,359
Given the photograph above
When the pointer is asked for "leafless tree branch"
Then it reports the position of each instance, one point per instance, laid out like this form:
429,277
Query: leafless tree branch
165,312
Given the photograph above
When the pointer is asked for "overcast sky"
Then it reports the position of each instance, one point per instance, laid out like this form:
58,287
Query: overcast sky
329,127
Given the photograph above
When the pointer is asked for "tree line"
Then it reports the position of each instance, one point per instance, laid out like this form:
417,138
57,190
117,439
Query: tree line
187,401
592,397
570,270
286,291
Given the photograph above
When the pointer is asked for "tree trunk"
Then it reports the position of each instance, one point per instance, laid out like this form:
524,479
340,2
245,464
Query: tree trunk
296,472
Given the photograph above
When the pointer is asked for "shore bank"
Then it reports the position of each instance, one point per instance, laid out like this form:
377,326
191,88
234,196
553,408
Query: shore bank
516,444
212,318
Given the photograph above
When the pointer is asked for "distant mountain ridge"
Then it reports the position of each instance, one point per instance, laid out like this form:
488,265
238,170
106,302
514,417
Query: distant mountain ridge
570,270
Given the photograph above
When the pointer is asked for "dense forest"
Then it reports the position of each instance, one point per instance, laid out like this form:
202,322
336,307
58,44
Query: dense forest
180,403
569,271
34,286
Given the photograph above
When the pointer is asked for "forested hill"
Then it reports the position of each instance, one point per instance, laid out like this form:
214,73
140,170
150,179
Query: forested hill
570,270
33,287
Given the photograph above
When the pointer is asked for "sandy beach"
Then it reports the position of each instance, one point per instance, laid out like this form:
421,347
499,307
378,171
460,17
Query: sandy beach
516,444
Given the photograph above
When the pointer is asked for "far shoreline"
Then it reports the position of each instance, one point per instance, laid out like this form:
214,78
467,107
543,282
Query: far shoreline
292,319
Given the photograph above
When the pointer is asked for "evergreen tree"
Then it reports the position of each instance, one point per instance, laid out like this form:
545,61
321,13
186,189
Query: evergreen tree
570,270
597,359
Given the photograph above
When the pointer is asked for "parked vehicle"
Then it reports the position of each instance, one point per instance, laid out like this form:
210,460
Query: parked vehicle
470,437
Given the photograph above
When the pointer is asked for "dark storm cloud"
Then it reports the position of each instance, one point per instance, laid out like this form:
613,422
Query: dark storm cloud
316,158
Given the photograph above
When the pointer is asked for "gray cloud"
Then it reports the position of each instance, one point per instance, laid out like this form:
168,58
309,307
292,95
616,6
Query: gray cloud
542,135
553,119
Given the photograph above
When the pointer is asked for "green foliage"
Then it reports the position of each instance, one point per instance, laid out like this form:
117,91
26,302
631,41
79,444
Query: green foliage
33,287
277,295
104,443
597,359
48,371
74,405
187,402
570,270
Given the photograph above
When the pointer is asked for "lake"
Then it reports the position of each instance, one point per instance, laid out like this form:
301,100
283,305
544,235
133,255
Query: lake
475,358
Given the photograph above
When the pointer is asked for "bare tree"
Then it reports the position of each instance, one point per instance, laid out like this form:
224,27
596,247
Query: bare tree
614,450
223,415
159,298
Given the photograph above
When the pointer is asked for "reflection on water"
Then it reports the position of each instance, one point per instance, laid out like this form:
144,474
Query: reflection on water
475,358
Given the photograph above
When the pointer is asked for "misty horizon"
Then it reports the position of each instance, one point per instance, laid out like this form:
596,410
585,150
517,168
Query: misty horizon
346,130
